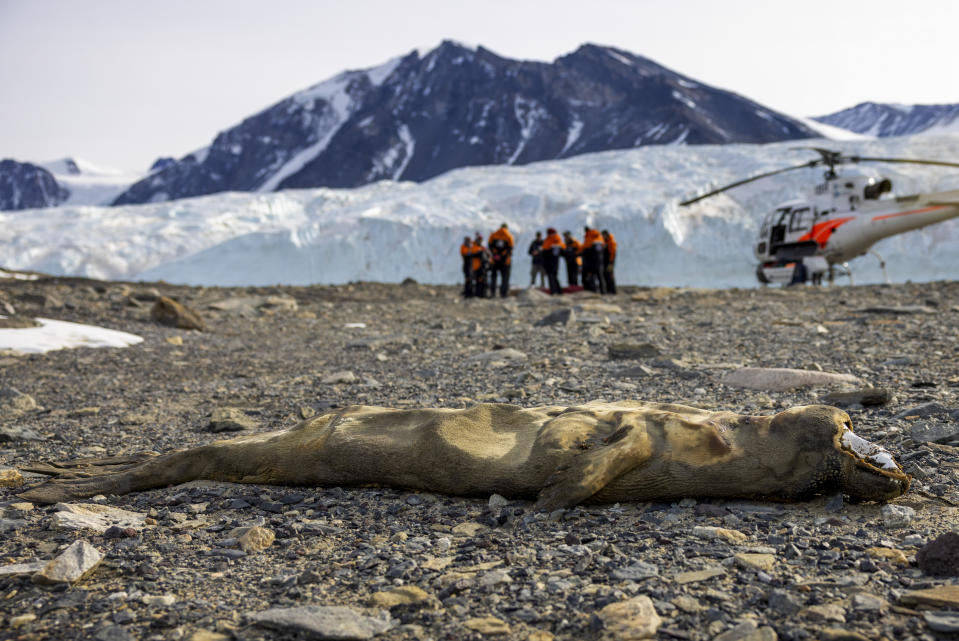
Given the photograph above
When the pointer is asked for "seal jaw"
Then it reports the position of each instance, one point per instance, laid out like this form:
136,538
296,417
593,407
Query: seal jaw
870,473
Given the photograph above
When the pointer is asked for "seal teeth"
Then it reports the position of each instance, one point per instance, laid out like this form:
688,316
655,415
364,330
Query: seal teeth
868,452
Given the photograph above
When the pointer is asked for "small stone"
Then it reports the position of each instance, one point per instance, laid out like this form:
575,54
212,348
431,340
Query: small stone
729,536
698,575
688,604
255,539
865,602
635,618
839,634
175,340
21,569
761,562
230,419
467,529
160,600
926,410
13,402
778,379
896,516
889,555
489,626
497,501
943,596
560,317
867,397
637,571
207,635
338,378
324,621
10,477
783,602
946,622
495,577
405,595
167,311
825,612
940,557
78,561
633,351
747,631
22,620
507,354
91,516
934,432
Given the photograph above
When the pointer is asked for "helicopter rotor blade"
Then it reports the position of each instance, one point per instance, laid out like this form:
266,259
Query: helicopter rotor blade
805,165
914,161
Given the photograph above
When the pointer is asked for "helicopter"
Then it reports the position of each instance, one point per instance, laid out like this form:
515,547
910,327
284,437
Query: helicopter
844,216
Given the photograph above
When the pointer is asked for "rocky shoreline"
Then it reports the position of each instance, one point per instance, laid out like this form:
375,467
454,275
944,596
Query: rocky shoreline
210,561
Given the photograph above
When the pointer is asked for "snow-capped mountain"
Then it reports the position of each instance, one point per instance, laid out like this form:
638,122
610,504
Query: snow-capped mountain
26,186
419,116
388,231
90,184
884,120
68,181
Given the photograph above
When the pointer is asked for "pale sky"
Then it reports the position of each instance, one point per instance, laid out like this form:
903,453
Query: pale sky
122,82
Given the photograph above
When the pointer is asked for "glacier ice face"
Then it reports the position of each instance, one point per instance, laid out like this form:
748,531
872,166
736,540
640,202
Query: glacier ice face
388,231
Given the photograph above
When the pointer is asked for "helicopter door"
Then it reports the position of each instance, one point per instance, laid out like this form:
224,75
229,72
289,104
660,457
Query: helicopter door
777,234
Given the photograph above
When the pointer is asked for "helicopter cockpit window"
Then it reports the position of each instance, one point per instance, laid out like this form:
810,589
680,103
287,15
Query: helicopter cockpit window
800,219
874,190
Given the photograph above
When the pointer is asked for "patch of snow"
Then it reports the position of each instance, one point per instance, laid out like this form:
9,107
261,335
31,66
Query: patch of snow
54,334
528,113
686,100
619,57
575,130
832,133
687,84
378,75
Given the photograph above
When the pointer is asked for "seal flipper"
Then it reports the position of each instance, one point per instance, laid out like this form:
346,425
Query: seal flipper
593,469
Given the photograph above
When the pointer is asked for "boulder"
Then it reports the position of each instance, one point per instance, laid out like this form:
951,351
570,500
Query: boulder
781,379
167,311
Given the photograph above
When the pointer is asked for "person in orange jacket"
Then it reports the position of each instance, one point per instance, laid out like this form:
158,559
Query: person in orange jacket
610,257
480,266
552,249
571,255
501,257
592,253
466,252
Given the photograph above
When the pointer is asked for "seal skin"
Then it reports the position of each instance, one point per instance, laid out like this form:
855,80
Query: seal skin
561,456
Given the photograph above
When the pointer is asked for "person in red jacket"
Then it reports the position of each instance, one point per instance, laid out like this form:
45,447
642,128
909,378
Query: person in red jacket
480,266
552,249
571,254
592,252
610,256
501,257
466,252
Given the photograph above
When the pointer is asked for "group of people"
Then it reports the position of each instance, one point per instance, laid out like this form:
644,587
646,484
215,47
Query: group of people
589,264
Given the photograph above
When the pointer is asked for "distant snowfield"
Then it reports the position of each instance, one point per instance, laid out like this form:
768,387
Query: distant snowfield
389,231
93,185
54,334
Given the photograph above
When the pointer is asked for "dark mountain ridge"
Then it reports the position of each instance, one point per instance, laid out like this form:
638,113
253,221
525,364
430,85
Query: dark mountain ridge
419,116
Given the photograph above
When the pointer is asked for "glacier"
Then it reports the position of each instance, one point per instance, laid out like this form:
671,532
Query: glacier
389,231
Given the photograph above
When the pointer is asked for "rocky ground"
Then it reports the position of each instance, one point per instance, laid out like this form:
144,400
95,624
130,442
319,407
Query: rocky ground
218,561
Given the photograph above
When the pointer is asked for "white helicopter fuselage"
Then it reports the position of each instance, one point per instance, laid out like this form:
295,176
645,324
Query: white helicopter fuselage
843,219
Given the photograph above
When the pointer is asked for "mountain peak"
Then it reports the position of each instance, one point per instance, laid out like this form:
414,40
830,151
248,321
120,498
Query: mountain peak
459,105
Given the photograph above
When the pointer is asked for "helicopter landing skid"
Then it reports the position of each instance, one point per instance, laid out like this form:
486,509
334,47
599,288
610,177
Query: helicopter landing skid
882,265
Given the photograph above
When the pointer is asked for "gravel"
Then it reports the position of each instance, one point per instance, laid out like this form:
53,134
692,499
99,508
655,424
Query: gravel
394,564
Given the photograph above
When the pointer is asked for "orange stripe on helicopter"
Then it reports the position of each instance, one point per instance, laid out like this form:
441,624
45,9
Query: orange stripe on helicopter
906,213
820,232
